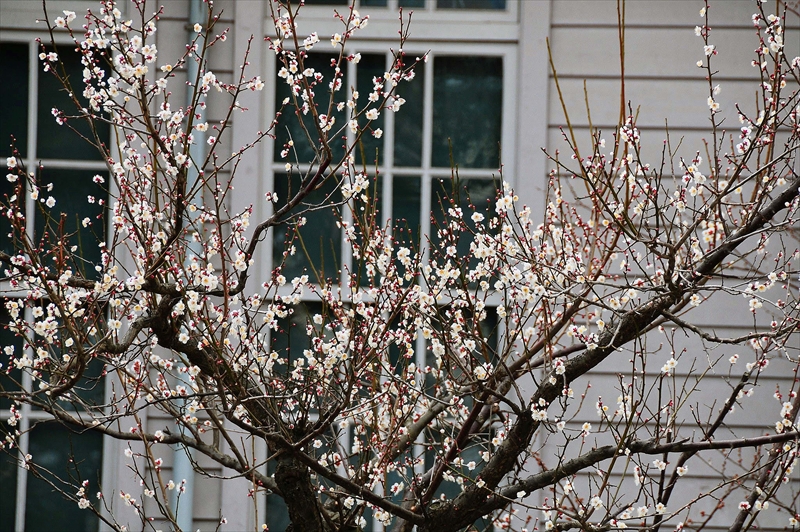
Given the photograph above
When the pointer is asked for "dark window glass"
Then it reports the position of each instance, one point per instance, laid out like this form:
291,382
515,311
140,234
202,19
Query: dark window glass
9,375
71,189
289,341
7,191
412,3
323,2
14,98
8,481
373,215
467,109
319,244
471,4
408,124
373,3
370,67
64,458
471,195
291,338
406,204
277,511
288,127
55,141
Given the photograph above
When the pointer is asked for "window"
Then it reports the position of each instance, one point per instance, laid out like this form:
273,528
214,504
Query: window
456,111
435,4
453,113
69,163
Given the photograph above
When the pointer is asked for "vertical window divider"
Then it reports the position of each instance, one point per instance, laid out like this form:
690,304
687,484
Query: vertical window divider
24,440
386,213
267,149
30,210
346,250
425,223
427,150
33,106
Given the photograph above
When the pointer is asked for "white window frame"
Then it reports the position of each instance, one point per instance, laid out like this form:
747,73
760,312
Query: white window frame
429,14
508,52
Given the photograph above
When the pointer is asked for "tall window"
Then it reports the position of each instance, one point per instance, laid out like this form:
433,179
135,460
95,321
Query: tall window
453,116
30,499
425,4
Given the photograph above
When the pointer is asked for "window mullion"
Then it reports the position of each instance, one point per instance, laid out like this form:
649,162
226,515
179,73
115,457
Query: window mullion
75,165
24,439
33,105
22,474
346,250
427,150
388,156
425,228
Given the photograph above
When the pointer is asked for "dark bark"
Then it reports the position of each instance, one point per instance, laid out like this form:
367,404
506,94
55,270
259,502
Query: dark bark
294,480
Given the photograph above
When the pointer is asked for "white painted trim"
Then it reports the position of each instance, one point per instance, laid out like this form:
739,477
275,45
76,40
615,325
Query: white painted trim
529,177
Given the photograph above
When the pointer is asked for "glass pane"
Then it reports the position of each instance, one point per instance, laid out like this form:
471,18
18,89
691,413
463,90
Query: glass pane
375,198
291,338
8,379
8,480
467,111
408,123
373,3
406,199
324,2
62,455
321,238
55,141
90,388
412,3
277,511
288,126
7,191
471,195
370,66
14,98
470,4
71,190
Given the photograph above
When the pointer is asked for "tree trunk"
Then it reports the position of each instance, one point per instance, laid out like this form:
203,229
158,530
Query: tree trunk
294,480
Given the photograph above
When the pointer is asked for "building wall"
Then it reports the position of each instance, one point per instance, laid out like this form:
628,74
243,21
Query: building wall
662,83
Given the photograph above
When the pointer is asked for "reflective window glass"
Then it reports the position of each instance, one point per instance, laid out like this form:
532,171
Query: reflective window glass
408,123
406,206
371,66
64,221
289,128
8,480
64,458
467,111
471,4
56,141
318,245
14,98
